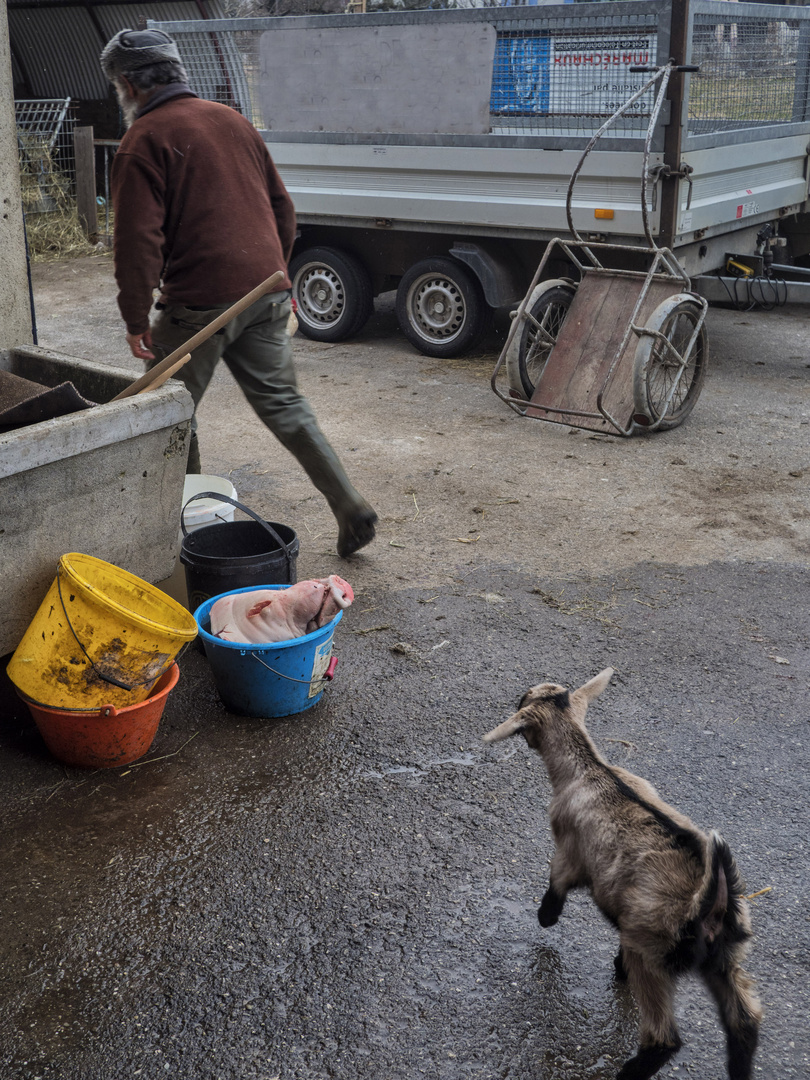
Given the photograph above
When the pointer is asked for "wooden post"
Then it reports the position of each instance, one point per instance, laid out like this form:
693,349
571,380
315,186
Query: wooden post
86,181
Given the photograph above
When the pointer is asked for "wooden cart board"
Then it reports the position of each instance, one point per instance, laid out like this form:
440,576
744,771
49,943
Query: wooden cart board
588,343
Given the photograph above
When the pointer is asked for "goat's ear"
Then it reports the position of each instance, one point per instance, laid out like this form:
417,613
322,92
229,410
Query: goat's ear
508,728
594,687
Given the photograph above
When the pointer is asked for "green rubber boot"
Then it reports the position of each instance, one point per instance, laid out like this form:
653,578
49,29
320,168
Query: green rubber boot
355,518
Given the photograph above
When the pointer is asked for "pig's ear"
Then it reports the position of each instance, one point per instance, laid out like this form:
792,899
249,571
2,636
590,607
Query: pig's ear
258,608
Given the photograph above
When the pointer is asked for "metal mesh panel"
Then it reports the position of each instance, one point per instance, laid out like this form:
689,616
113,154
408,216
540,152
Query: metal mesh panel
47,161
560,73
753,71
567,80
553,74
222,67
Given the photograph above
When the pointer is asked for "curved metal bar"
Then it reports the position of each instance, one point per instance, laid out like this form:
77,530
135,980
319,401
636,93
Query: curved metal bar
667,68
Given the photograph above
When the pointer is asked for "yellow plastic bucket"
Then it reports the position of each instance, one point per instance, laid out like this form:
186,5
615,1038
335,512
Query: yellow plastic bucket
101,636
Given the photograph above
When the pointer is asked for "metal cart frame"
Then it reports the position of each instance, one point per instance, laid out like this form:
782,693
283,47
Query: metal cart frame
574,376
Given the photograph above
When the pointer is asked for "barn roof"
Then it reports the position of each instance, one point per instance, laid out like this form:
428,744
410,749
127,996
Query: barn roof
55,44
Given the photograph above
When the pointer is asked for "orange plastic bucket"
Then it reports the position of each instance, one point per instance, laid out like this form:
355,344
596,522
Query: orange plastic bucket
107,737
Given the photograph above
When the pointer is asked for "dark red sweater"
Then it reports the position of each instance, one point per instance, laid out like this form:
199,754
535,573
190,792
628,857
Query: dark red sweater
200,209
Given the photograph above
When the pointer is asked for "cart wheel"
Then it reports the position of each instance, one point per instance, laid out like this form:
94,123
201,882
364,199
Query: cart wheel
655,368
333,292
531,346
441,308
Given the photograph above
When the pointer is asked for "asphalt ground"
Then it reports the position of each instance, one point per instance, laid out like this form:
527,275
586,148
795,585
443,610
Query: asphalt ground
351,892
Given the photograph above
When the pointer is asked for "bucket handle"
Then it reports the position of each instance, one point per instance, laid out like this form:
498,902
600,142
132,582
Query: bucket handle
245,509
104,677
327,676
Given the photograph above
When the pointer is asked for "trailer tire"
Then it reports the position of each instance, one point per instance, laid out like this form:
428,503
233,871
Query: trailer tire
654,369
526,358
441,308
333,293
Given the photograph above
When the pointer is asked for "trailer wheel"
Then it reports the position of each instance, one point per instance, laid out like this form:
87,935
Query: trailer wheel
655,369
531,346
441,308
333,292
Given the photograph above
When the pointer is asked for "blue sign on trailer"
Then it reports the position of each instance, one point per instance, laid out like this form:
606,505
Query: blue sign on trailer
539,74
520,75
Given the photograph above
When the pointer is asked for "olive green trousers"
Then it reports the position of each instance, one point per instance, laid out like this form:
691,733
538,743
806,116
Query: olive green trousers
257,350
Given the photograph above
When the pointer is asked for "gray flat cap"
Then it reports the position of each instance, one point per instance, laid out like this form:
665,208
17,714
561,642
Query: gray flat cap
130,50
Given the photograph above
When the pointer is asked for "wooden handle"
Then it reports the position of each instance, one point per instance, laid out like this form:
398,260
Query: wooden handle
166,364
164,376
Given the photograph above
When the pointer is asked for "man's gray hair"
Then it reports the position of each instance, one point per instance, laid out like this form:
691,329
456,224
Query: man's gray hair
169,71
133,51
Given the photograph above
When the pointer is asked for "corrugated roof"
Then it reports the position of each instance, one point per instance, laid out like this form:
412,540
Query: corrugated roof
55,49
58,50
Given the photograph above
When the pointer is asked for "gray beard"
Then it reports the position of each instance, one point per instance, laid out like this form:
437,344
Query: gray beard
129,106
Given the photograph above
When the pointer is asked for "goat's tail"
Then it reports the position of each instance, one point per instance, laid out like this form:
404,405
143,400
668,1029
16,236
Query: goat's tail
723,915
725,929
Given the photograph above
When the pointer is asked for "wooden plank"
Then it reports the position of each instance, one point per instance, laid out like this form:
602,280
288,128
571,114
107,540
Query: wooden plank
589,341
579,353
86,181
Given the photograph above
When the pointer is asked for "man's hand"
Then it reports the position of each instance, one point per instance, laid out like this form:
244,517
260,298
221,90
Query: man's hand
140,345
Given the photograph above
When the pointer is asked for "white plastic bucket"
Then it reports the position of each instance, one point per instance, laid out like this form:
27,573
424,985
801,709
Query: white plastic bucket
206,511
201,513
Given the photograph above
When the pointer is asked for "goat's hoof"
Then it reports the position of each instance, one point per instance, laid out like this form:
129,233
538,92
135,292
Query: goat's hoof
546,918
648,1060
550,907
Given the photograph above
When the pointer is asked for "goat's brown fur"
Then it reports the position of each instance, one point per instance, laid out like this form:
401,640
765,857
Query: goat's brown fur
673,892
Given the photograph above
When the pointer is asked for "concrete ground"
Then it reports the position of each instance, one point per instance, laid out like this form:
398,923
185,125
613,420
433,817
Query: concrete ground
351,892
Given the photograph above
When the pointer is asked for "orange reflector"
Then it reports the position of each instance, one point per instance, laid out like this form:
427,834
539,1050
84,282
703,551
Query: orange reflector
605,215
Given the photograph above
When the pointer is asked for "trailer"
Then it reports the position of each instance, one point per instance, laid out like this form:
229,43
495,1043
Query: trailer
430,152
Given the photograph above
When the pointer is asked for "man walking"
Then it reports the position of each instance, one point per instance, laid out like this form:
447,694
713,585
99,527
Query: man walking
201,212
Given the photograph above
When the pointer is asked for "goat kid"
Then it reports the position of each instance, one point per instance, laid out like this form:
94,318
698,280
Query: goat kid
674,893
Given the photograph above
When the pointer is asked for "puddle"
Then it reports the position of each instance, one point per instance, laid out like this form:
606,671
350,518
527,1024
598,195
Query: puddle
463,760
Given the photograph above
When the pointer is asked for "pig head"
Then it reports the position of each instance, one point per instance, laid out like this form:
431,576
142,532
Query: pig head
265,615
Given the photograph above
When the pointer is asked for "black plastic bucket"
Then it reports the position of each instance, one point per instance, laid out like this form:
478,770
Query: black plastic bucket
236,554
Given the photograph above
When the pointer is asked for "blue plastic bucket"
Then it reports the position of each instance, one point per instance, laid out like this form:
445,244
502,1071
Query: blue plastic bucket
276,679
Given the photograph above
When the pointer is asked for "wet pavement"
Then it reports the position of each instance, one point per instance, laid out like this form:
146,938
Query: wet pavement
351,893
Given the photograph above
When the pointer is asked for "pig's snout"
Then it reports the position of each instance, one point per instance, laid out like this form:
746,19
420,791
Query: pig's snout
342,592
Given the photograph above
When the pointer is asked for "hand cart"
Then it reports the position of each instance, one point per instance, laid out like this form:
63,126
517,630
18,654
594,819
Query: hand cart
612,350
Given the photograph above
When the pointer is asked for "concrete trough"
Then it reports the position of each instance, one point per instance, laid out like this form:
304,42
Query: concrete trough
106,481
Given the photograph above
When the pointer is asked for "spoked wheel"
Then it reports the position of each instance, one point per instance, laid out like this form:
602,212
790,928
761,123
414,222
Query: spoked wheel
333,292
656,366
531,346
441,308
